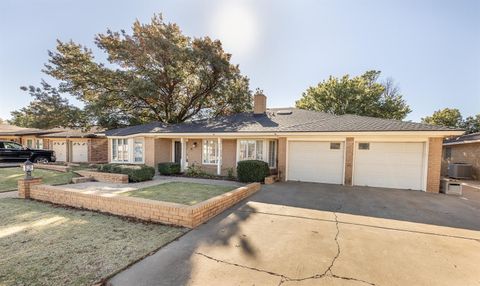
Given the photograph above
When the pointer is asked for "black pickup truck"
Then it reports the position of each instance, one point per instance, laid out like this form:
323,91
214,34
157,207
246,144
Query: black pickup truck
14,152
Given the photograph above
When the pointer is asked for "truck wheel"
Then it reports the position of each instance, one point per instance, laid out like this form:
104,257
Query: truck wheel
40,159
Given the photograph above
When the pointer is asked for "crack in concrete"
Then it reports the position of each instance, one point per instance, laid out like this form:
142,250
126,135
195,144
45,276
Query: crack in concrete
239,265
368,225
284,278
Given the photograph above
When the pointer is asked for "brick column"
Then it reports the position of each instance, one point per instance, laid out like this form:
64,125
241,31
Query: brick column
282,158
25,185
434,164
349,161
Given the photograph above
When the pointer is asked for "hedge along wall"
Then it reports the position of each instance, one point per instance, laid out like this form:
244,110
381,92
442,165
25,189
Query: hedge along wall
149,210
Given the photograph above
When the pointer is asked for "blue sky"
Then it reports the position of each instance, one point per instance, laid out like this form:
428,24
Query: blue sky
430,48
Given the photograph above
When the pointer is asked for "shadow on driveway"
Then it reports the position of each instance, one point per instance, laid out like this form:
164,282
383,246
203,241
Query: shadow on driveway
292,230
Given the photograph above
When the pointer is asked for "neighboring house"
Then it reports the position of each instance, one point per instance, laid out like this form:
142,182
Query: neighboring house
28,137
299,145
69,145
77,146
462,149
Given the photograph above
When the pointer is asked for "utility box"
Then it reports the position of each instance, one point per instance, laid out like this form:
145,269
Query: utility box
451,187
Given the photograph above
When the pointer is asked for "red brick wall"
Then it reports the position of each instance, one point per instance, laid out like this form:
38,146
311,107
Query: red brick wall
98,150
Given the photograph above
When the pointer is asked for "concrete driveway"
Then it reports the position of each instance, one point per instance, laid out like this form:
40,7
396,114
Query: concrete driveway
318,234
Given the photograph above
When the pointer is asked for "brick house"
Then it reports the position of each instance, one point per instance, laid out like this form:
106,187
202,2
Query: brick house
69,145
298,145
462,149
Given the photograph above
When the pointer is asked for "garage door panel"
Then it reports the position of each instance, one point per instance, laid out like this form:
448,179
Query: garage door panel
79,151
60,148
315,162
390,165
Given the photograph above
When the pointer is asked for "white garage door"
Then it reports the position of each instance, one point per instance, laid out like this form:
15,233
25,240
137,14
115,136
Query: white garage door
60,148
320,162
389,165
79,151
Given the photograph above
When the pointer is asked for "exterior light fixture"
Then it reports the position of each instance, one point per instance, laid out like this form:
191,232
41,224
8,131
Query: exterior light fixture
28,169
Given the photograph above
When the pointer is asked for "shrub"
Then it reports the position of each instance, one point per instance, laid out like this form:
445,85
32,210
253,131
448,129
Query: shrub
194,171
252,171
231,174
136,173
168,168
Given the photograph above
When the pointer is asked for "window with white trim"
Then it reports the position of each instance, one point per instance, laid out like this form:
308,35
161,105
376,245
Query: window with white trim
210,152
272,153
120,150
251,150
138,150
39,143
29,143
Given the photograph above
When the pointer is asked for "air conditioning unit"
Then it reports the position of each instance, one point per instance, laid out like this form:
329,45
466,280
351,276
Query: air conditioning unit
460,170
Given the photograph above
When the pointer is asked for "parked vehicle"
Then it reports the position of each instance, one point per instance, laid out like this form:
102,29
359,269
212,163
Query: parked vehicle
14,152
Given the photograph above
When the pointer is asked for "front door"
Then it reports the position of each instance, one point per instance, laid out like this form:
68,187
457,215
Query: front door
177,152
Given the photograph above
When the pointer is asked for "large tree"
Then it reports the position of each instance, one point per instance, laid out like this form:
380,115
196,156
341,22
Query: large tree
471,124
361,95
48,109
450,117
155,73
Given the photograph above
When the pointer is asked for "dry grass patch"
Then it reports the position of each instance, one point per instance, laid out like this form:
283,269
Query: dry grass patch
10,176
180,192
46,245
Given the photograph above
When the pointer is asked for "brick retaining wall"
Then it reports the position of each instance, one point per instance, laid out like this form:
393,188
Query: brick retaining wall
105,177
58,168
144,209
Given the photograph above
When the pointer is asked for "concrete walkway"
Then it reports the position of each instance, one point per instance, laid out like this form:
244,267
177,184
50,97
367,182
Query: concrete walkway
317,234
12,194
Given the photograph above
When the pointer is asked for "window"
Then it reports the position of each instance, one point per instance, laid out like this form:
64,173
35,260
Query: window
335,146
39,143
448,153
272,153
120,150
363,146
210,152
12,146
251,150
138,151
29,143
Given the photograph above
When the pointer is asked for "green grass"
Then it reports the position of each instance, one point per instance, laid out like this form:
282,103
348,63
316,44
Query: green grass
10,176
179,192
45,245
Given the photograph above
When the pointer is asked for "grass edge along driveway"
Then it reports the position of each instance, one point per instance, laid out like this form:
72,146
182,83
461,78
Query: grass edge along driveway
42,244
180,192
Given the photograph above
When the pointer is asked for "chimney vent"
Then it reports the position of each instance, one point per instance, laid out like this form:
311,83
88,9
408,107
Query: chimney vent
259,102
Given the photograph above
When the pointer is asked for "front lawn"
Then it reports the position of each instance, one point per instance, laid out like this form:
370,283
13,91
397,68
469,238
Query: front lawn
180,192
41,244
10,176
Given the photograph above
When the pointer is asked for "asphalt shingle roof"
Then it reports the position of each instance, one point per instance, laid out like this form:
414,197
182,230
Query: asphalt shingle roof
474,137
12,130
293,120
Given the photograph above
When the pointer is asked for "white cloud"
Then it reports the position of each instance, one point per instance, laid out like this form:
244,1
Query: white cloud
237,26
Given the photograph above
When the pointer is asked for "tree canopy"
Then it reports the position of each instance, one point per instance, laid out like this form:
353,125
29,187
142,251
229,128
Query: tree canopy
154,74
48,109
451,117
361,95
